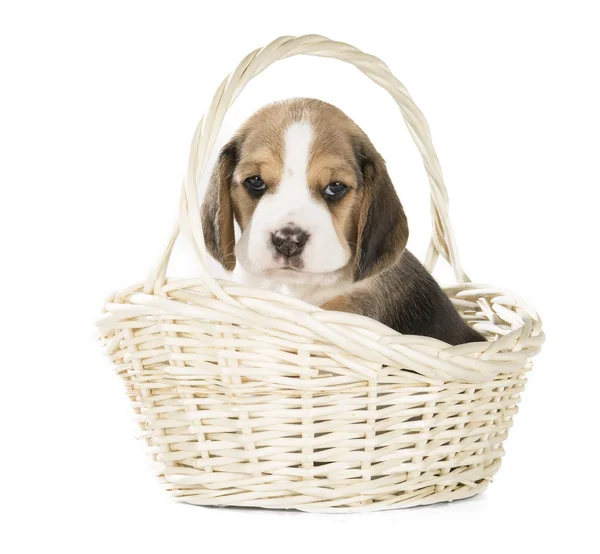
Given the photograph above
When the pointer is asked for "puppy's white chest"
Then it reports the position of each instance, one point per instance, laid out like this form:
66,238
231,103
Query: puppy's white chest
315,294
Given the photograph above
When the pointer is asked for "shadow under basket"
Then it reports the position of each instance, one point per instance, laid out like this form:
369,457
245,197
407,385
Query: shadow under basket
247,397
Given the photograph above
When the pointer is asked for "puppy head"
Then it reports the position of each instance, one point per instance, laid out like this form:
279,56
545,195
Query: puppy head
311,195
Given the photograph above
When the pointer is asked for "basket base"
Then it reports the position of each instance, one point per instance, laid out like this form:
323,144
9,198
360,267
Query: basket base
369,506
371,500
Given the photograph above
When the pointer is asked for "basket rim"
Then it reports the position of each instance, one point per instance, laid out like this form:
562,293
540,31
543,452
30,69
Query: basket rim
477,361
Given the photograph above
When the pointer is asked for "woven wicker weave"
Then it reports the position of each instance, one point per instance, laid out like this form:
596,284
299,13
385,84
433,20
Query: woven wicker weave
252,398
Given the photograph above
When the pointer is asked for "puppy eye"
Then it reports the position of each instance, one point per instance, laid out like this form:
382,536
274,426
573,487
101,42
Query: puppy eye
334,189
255,184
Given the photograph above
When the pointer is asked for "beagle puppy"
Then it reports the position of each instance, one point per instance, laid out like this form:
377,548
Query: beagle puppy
320,220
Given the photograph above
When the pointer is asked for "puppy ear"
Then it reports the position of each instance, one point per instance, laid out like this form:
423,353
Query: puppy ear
217,212
382,230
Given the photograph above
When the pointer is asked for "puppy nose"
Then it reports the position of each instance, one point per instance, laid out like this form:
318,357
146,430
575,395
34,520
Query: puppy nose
289,241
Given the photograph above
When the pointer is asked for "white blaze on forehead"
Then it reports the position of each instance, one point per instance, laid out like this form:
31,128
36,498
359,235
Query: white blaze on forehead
297,143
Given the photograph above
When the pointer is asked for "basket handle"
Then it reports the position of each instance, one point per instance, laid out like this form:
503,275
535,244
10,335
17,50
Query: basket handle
442,240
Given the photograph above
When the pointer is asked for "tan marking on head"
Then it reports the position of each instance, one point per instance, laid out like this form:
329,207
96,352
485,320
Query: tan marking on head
261,142
333,159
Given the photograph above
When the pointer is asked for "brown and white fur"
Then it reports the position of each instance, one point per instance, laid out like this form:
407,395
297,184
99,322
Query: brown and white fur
320,220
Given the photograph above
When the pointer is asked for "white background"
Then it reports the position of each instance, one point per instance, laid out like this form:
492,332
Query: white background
98,103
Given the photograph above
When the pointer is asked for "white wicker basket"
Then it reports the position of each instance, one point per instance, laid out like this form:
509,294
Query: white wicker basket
252,398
